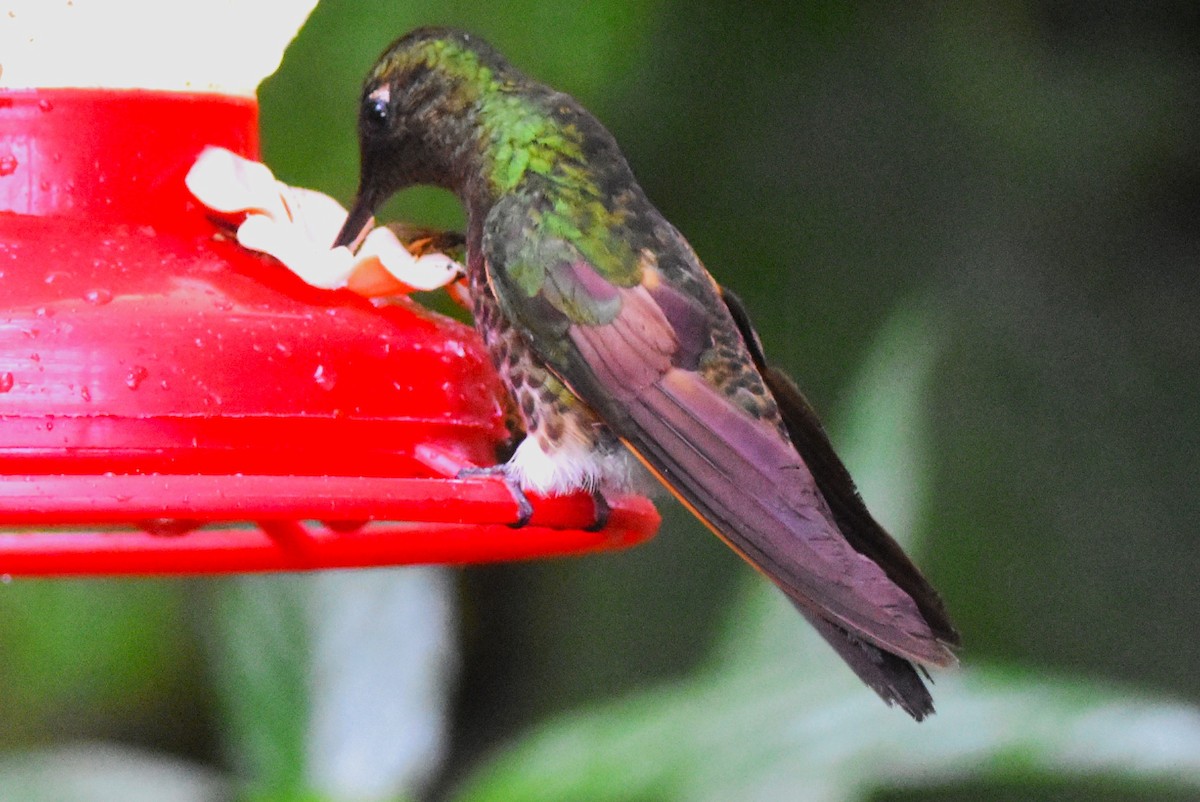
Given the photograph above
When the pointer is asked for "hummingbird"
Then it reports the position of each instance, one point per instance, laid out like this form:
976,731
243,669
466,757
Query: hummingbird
618,348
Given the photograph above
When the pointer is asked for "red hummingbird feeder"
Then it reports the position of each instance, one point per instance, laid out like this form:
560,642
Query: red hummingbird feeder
171,403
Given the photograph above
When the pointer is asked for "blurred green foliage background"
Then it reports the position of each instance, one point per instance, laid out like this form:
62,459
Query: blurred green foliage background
1026,173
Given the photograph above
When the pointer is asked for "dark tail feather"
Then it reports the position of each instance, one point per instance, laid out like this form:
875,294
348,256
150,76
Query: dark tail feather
895,679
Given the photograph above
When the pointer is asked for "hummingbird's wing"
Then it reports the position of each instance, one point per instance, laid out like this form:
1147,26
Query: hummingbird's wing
892,677
853,518
651,347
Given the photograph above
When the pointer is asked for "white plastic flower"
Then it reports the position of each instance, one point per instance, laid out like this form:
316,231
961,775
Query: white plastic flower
297,226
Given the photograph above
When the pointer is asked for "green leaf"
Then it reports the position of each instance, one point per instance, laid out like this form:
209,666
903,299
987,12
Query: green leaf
765,734
85,645
261,668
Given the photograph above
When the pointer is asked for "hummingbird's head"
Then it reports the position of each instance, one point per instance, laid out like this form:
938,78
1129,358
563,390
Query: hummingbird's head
417,118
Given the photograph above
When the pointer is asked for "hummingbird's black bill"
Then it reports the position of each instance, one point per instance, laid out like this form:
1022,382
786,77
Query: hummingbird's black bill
356,222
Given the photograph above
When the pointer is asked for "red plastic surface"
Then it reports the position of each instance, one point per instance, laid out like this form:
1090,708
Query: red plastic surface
155,376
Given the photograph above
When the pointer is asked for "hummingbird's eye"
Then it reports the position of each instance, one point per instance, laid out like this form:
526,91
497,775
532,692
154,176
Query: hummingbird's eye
376,108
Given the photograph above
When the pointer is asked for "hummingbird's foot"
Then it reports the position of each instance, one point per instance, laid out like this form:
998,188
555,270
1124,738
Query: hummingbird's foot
524,506
603,510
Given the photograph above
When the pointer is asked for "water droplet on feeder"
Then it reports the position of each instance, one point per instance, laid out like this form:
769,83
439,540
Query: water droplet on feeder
6,381
168,527
98,297
8,164
324,377
137,374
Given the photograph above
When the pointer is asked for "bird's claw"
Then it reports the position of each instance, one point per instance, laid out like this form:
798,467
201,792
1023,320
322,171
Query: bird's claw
524,506
603,510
